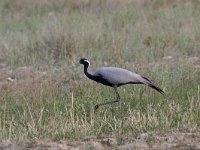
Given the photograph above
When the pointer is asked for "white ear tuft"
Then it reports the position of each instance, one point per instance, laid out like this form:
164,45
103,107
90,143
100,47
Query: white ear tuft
87,62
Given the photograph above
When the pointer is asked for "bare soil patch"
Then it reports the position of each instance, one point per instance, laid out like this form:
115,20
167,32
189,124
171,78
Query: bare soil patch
174,140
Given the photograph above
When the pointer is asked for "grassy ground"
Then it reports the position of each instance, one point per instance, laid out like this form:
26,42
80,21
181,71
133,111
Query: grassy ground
44,93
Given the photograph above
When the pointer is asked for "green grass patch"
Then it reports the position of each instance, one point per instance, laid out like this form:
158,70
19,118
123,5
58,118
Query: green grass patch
55,35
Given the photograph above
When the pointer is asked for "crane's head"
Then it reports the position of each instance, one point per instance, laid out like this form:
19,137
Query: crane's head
85,62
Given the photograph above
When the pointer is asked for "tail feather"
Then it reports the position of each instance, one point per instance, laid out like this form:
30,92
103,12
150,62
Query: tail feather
156,88
152,85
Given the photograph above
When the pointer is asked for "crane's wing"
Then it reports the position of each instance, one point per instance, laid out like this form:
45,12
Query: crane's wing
116,76
119,76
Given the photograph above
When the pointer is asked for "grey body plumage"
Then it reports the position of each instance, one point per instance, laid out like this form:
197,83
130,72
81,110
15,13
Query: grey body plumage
115,77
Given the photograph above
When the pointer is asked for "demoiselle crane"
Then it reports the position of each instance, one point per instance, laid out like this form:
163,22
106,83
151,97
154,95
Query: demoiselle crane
116,77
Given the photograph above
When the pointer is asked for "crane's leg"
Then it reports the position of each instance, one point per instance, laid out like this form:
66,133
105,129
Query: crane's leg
110,102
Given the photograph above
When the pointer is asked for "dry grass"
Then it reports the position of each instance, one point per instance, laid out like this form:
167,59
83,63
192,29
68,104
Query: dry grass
44,93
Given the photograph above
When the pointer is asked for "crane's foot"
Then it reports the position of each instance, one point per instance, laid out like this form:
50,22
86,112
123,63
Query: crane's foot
96,107
119,104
